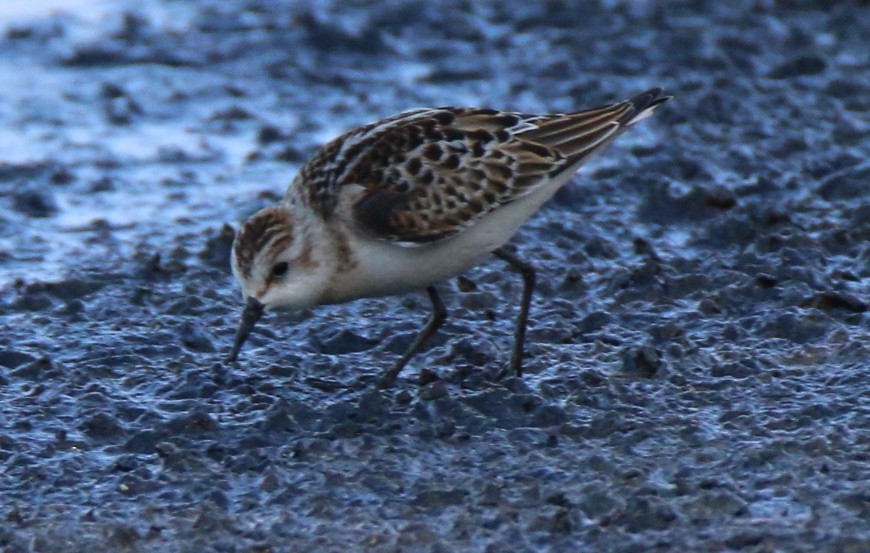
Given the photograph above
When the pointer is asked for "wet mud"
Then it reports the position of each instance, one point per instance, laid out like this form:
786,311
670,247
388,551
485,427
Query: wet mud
698,367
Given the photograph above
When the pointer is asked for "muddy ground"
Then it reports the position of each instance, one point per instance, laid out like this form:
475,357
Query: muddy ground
698,374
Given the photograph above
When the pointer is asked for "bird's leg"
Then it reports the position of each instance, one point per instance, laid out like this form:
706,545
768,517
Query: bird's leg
528,274
439,314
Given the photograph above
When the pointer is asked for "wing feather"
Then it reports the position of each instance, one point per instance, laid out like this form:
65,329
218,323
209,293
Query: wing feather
426,175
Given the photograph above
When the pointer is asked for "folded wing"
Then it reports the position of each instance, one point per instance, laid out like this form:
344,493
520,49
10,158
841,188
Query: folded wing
429,174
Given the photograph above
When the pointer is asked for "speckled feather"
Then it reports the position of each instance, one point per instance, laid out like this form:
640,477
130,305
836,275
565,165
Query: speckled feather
427,174
412,200
273,228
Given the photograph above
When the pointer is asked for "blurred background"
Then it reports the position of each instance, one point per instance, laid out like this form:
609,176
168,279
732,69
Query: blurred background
696,377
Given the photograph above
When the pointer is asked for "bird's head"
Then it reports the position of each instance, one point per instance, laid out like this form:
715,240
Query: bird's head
274,263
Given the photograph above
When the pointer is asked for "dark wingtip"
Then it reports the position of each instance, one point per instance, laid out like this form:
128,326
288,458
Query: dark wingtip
643,105
251,314
649,99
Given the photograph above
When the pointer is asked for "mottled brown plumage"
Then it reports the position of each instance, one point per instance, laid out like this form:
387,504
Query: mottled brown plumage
429,173
411,200
272,229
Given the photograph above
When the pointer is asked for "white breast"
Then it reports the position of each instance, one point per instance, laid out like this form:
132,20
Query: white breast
385,268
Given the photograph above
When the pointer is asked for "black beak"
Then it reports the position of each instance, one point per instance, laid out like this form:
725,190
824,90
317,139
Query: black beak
252,313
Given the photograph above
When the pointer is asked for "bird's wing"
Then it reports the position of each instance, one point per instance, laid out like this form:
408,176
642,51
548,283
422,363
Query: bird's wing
428,174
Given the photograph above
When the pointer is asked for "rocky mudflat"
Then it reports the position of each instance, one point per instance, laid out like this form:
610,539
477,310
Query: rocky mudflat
698,371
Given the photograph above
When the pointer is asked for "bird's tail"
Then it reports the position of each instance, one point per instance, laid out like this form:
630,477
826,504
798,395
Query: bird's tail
580,134
645,104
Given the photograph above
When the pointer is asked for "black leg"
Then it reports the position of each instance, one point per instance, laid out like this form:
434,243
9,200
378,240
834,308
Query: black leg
528,274
439,314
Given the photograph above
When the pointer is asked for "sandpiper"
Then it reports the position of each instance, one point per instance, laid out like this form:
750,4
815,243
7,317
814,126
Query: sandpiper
412,200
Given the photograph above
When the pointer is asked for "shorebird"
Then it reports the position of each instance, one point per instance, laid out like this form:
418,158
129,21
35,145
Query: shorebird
412,200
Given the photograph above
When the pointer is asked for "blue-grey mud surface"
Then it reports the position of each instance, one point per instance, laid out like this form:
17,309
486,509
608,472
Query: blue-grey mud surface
697,371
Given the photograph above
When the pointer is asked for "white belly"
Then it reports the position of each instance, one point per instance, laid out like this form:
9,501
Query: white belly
384,268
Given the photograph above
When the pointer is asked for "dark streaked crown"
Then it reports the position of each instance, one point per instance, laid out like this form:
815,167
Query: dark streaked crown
270,228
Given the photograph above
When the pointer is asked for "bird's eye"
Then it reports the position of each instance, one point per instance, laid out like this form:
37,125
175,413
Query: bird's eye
280,269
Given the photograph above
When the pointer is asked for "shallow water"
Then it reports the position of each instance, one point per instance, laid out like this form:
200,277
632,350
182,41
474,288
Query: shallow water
23,12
